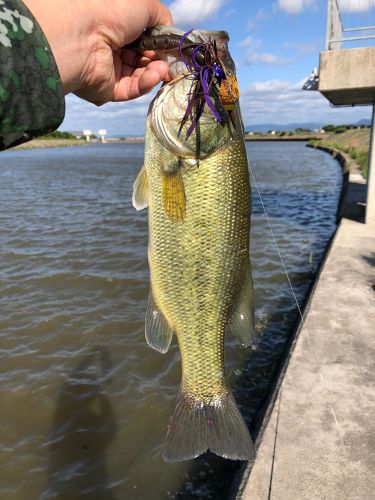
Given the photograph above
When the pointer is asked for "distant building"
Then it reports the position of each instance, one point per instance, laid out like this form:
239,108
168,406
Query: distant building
77,133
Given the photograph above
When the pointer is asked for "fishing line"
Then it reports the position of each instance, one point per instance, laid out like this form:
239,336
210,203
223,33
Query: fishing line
276,245
304,329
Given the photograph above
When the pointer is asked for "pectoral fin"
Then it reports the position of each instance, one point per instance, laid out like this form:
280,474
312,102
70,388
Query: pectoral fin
173,195
158,332
242,322
140,190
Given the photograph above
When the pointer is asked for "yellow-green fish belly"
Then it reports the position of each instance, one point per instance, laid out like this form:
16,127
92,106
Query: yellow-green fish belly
198,265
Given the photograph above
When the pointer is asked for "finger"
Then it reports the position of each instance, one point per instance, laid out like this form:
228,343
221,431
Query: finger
151,55
131,87
160,66
134,83
136,60
148,80
160,14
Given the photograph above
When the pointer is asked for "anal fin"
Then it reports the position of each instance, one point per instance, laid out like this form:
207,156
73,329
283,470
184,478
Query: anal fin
242,322
158,332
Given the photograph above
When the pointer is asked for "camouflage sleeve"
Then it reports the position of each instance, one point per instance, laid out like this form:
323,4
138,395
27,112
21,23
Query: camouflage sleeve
31,94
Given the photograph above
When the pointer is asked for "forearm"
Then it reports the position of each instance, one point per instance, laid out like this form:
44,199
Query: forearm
69,26
31,96
84,54
87,38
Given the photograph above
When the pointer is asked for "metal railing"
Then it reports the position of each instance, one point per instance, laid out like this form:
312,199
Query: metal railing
337,34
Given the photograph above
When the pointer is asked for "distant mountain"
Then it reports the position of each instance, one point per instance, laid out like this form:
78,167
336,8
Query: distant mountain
289,127
363,122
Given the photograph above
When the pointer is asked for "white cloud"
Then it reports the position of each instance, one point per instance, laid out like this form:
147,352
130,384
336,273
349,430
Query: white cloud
272,101
261,15
125,118
266,58
303,48
294,6
191,13
249,41
300,51
356,5
282,102
230,12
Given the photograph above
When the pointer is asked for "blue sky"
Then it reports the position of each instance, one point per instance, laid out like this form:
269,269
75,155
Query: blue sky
275,44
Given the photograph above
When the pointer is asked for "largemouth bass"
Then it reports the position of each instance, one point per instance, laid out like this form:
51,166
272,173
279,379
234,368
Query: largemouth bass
195,182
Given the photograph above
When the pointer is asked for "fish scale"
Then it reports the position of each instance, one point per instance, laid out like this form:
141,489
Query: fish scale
186,264
199,267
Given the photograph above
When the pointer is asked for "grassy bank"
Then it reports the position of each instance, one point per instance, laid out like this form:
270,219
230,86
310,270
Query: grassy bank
50,143
284,136
354,142
54,140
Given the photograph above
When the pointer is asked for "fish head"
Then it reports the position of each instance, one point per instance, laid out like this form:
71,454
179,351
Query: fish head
167,45
185,129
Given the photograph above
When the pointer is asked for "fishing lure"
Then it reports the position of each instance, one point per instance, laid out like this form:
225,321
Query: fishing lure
207,71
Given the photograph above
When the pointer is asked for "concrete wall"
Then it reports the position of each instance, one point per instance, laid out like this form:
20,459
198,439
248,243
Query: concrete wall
347,76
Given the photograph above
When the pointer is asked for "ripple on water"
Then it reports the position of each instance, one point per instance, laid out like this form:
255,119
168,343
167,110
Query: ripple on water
84,402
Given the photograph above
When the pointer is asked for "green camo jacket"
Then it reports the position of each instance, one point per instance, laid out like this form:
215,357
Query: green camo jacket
31,94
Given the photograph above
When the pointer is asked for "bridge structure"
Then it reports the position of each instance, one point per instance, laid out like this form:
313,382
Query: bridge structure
347,76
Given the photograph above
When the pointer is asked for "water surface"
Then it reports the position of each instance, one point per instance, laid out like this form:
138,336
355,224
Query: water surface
84,403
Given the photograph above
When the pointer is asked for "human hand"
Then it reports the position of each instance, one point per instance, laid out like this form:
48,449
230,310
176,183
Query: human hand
87,38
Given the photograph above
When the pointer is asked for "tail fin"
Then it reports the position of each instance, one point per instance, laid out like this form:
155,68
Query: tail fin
196,427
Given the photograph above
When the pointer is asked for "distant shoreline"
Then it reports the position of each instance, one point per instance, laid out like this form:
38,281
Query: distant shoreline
50,143
61,143
283,138
125,139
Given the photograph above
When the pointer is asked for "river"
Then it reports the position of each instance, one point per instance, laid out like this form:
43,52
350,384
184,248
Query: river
84,403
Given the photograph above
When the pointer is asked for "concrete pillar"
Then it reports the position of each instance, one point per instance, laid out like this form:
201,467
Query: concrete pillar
87,133
370,207
102,133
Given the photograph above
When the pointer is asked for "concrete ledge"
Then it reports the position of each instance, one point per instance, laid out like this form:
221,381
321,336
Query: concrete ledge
319,442
347,76
318,436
